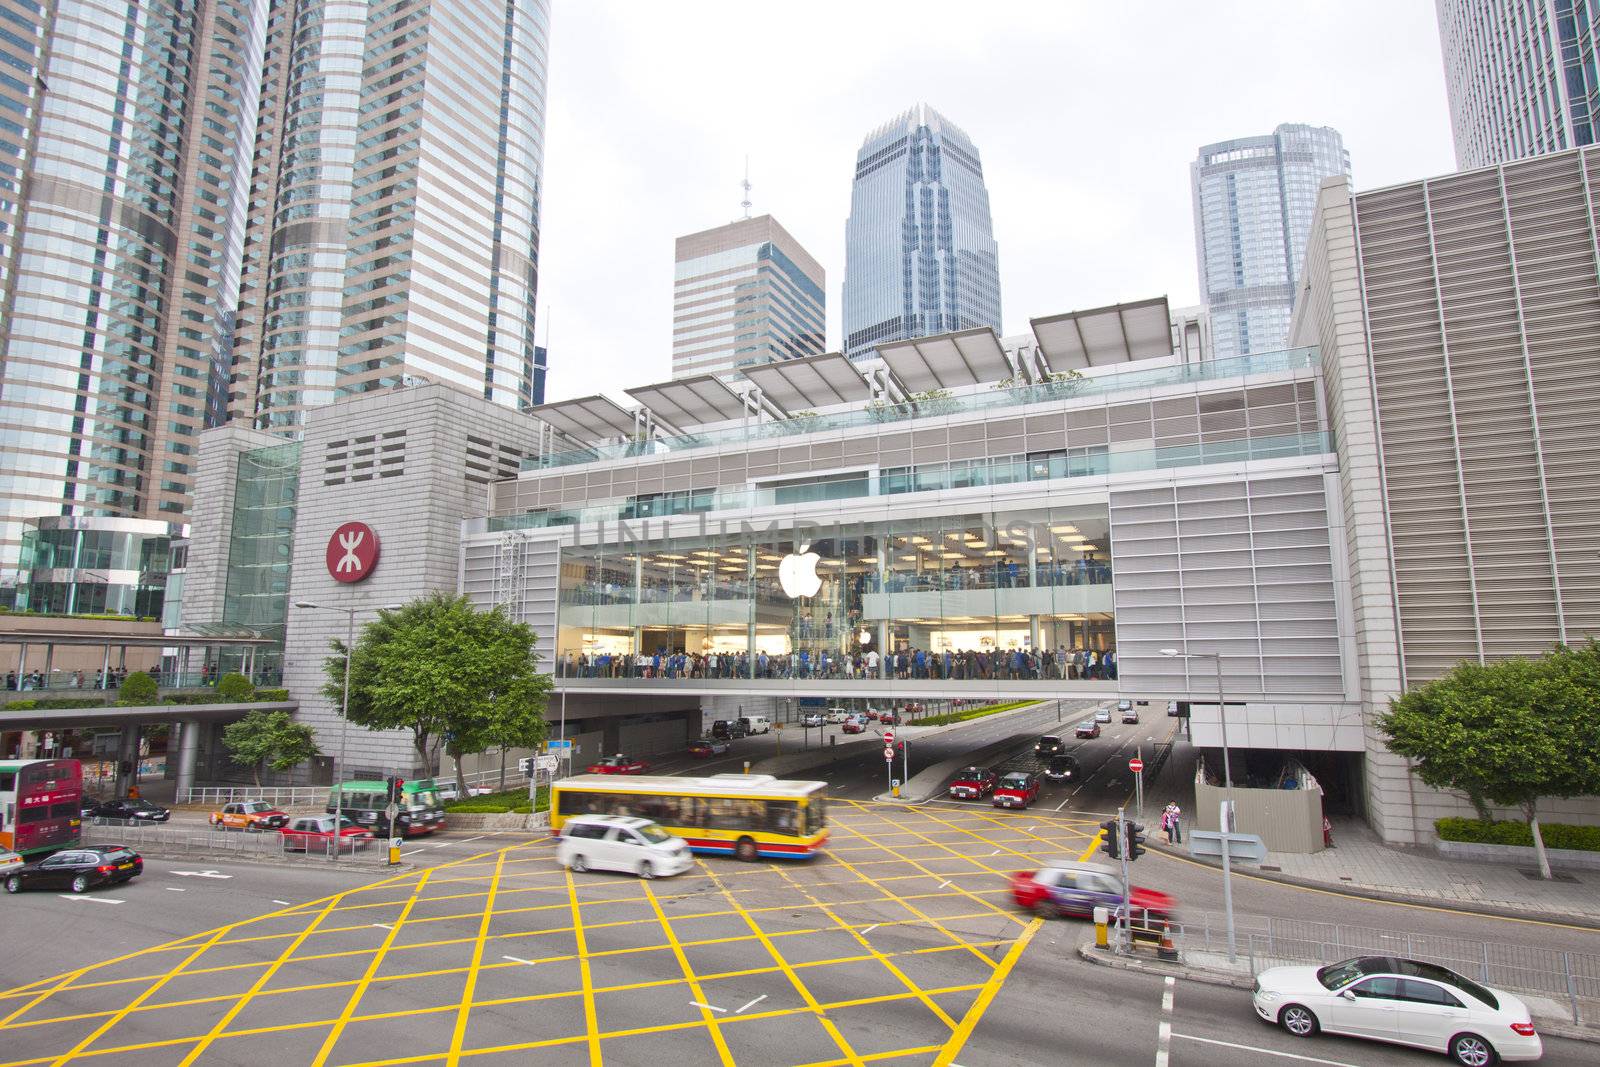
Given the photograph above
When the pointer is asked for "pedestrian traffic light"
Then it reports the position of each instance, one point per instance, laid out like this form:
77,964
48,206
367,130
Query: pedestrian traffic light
525,766
1135,840
1110,841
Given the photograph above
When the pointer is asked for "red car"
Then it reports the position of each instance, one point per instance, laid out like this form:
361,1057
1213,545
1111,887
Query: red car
972,783
855,724
702,749
1088,728
315,832
619,764
1016,790
1078,888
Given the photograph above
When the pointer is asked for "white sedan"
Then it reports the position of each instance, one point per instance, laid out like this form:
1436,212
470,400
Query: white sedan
9,861
1402,1001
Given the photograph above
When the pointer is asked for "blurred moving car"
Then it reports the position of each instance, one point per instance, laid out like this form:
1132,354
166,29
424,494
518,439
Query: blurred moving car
9,861
812,719
1124,705
129,810
78,869
1401,1001
621,843
619,764
249,815
1048,745
972,783
1088,728
1069,887
1062,768
1102,714
855,724
308,833
449,792
706,747
1017,789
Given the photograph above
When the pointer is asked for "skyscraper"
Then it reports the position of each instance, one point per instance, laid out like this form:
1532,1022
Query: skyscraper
920,254
1520,75
394,204
743,294
1253,202
126,133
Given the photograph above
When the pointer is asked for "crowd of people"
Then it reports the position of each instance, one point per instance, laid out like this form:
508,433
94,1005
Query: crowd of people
907,664
113,678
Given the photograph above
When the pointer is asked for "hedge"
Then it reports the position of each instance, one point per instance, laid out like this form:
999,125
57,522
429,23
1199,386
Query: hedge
515,800
271,696
1512,832
56,702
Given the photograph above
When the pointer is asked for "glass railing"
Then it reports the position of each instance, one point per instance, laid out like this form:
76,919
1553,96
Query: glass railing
1071,388
941,476
1000,665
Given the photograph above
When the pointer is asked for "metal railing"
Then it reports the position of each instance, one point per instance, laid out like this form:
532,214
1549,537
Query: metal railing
1571,978
286,797
216,844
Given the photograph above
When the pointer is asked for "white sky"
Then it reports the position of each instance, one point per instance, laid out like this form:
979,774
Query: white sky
1087,115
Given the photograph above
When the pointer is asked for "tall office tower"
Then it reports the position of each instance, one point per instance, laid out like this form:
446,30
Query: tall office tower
394,204
1253,202
920,255
125,134
743,294
1520,75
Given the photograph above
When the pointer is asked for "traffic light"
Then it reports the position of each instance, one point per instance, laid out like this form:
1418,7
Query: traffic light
1110,842
525,766
392,787
1135,840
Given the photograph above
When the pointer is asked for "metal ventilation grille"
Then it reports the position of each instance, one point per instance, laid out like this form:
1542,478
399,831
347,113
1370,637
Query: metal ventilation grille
362,459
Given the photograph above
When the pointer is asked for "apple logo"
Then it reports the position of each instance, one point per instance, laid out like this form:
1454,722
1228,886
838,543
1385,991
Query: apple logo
798,573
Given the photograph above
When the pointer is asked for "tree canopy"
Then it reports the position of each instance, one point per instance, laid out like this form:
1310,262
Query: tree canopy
445,671
1508,733
269,737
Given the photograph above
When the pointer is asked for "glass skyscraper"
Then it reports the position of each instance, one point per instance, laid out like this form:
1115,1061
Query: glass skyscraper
1254,198
1520,75
920,254
394,204
126,133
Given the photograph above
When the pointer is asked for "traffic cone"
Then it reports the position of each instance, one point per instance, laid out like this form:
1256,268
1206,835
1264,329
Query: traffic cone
1166,950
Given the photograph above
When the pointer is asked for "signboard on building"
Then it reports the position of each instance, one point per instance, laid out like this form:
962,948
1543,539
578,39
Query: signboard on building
352,552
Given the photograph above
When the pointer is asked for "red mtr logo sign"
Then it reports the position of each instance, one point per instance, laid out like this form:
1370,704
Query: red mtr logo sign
352,552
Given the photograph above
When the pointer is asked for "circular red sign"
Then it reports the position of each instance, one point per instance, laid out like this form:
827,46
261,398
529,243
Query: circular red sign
352,552
888,737
1136,765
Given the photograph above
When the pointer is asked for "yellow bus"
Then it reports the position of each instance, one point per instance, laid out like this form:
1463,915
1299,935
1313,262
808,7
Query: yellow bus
742,815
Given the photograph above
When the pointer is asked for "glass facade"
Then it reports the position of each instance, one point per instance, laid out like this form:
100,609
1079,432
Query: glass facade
96,566
1254,199
266,494
920,253
1020,596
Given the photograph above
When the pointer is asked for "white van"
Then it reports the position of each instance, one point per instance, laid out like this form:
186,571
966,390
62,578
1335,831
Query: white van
837,716
757,724
621,843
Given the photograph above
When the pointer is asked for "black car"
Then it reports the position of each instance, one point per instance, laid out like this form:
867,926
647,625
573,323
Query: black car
78,869
1062,768
130,811
1049,745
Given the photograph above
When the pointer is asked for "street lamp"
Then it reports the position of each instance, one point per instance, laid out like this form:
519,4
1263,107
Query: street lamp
1227,785
344,727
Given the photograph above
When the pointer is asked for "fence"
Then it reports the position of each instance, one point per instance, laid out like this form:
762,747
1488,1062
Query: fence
218,844
1571,978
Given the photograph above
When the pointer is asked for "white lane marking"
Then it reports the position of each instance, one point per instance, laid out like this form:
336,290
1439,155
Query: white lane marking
943,884
480,837
383,926
518,959
869,929
996,852
201,874
1265,1051
94,900
285,903
753,1003
413,852
1164,1030
708,1007
174,889
1064,803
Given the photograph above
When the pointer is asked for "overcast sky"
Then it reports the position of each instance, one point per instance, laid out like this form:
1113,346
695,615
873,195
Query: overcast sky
1087,116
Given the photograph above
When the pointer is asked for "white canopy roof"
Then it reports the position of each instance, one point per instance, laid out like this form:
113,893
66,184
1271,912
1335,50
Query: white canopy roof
590,419
810,382
947,360
685,402
1120,333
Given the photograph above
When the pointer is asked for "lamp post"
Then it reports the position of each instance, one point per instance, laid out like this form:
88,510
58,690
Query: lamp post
344,714
1227,786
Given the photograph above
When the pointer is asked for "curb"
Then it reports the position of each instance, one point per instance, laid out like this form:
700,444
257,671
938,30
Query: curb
1559,918
1091,953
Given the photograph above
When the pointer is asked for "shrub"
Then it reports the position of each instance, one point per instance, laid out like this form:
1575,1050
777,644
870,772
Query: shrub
137,688
22,705
65,702
1512,832
271,696
235,689
474,808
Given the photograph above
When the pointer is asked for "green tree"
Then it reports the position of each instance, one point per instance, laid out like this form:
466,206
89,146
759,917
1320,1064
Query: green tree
271,738
443,670
1507,733
235,689
137,689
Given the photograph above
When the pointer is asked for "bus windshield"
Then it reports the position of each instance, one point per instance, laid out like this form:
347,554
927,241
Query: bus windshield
422,799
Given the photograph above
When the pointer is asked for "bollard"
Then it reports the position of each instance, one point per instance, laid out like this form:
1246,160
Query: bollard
1101,940
394,851
747,766
896,791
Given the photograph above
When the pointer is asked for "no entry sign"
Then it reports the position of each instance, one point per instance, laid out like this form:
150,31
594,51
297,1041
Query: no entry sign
1136,765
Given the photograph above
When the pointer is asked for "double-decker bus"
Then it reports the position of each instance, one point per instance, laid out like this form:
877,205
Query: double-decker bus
743,815
366,804
41,804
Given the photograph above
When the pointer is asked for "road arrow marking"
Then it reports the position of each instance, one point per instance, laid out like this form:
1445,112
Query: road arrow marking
201,874
92,900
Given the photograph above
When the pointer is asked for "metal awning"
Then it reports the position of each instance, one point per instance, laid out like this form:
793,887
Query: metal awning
589,419
1120,333
686,402
947,360
810,382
